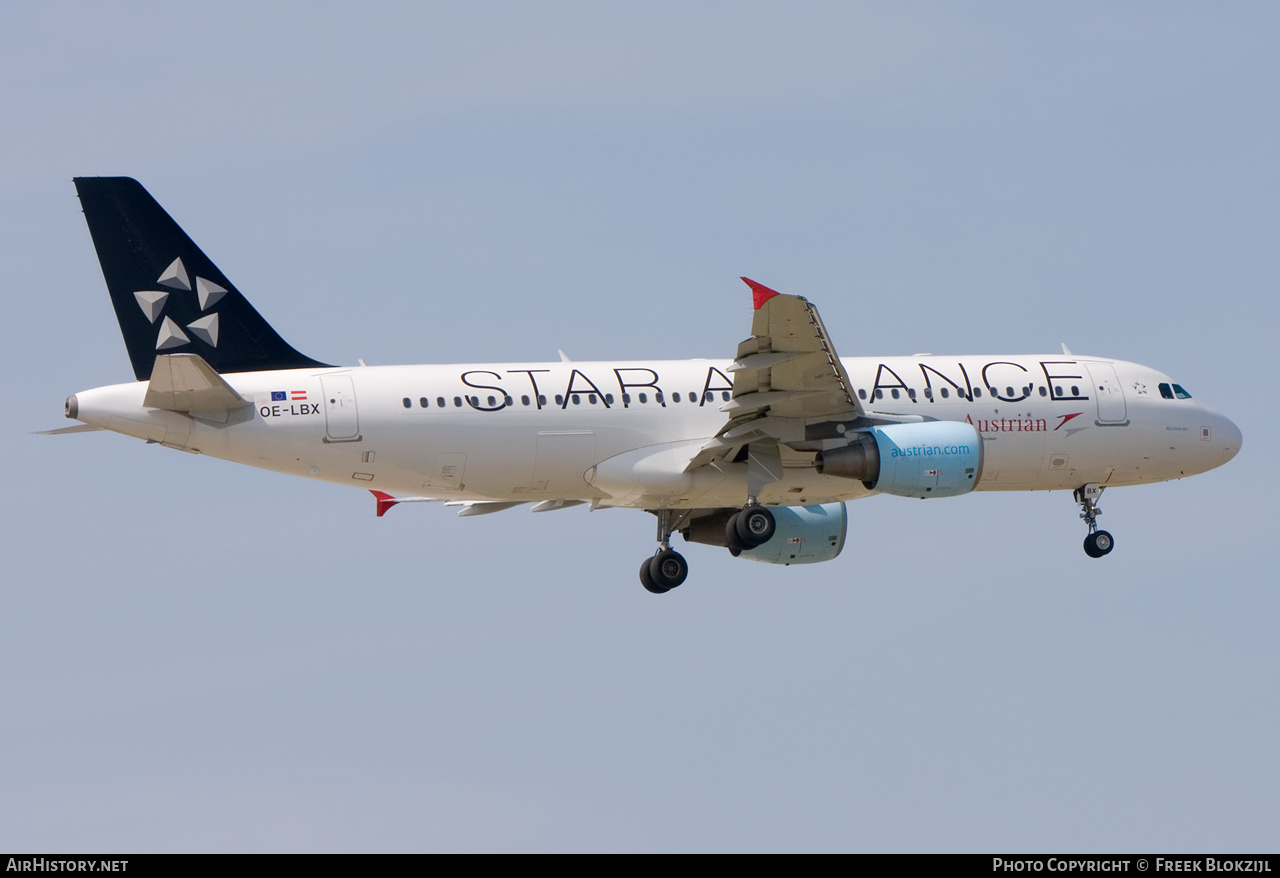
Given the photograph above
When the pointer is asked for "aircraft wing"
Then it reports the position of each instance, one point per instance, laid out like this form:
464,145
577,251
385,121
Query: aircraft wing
787,378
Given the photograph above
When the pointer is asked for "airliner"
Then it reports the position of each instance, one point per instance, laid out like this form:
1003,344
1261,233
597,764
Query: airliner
757,453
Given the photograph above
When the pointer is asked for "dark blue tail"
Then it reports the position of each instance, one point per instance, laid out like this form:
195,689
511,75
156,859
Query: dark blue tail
168,296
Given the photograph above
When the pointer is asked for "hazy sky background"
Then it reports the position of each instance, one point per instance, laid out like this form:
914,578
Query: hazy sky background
201,657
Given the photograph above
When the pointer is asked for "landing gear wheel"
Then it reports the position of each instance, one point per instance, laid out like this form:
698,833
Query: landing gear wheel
647,581
668,569
731,538
755,526
1098,544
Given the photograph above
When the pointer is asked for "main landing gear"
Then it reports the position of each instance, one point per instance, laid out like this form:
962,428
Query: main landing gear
1098,542
749,527
666,569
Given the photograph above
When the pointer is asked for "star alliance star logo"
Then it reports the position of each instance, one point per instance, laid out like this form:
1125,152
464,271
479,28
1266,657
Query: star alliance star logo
171,335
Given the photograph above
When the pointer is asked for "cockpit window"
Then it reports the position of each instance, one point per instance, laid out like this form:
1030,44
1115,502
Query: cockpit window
1173,391
1180,393
1166,391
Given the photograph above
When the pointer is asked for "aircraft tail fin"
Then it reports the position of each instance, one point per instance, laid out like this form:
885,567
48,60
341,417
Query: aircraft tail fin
168,296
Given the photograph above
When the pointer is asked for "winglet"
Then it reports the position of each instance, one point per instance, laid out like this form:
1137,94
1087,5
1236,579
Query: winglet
385,501
759,292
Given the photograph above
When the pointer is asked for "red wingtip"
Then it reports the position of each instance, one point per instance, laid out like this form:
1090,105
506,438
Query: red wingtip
385,501
759,292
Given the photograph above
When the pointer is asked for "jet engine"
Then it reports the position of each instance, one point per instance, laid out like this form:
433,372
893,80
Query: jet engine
802,534
928,459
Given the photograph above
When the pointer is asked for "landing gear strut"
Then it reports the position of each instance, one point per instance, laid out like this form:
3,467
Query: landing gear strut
667,568
1098,542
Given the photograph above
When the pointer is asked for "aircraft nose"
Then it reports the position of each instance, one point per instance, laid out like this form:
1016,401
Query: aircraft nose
1231,437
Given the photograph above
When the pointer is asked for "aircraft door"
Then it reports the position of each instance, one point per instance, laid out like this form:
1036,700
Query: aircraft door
1112,410
341,420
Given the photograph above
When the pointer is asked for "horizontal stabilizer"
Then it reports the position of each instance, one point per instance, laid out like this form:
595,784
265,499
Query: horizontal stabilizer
186,383
74,428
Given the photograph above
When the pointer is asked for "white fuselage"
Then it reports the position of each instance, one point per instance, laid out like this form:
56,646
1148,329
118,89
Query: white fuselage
620,433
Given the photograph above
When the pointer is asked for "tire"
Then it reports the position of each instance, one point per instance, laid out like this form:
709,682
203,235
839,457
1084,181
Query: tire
1098,543
1103,542
731,538
755,526
647,581
1089,548
668,569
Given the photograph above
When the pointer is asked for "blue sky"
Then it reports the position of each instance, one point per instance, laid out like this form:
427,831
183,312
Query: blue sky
202,657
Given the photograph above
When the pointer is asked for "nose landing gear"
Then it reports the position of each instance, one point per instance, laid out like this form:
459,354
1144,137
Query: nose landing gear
1098,542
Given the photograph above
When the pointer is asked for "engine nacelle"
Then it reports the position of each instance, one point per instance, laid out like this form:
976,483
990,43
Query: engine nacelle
802,534
929,459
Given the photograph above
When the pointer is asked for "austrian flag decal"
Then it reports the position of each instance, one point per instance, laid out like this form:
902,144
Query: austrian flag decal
282,396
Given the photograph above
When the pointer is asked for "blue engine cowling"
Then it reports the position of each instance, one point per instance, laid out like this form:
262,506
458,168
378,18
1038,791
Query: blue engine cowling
929,459
802,534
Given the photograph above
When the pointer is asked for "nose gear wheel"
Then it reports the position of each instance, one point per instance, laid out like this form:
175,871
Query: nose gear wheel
1098,542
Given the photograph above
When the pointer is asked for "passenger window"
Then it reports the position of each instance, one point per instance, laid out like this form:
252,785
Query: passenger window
542,400
524,400
657,397
945,393
626,398
1043,392
895,393
977,393
508,400
591,398
422,401
724,394
577,400
1075,390
879,393
492,402
457,402
862,394
911,393
608,398
644,397
407,403
675,397
1057,391
559,400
